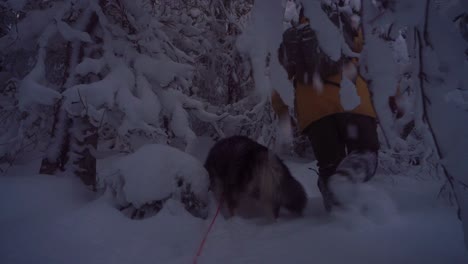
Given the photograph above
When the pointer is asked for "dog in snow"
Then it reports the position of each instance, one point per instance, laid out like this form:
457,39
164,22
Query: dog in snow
239,167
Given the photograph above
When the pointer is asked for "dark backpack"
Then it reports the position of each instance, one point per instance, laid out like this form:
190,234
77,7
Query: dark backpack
301,55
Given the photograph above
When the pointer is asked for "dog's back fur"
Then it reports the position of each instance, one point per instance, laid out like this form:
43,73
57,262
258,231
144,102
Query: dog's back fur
240,166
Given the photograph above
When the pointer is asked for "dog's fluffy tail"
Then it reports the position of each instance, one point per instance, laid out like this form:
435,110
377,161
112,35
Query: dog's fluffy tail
267,177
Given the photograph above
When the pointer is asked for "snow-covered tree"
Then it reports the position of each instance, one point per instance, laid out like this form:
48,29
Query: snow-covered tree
82,80
139,69
432,82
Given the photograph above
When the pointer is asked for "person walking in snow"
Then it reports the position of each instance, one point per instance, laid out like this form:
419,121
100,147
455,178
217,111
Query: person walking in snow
344,141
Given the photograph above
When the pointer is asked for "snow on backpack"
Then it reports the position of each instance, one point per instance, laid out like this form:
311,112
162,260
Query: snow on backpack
302,57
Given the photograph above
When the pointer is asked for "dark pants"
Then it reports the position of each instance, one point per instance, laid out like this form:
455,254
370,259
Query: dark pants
335,136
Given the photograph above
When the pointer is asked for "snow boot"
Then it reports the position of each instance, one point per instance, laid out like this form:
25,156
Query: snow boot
356,168
329,201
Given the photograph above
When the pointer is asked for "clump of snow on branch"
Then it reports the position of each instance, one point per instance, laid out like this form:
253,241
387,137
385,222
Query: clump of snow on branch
262,39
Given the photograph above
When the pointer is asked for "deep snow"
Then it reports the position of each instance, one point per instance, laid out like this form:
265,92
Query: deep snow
54,219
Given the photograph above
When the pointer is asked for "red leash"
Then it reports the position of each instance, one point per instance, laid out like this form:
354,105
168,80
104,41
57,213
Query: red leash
200,248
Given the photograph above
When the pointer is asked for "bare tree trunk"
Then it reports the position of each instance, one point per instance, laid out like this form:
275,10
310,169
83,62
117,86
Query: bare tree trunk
79,146
85,135
57,153
83,146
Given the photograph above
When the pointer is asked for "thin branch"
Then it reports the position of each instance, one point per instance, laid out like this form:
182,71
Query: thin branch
427,100
218,130
421,74
464,185
426,22
57,107
442,189
458,17
389,32
13,157
422,81
82,101
102,119
16,29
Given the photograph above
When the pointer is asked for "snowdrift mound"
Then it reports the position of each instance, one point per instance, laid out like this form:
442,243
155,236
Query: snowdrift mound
143,181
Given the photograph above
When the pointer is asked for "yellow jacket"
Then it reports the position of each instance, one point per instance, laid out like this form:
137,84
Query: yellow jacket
311,105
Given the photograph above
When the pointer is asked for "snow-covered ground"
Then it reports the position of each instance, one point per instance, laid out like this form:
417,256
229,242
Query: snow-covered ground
54,219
